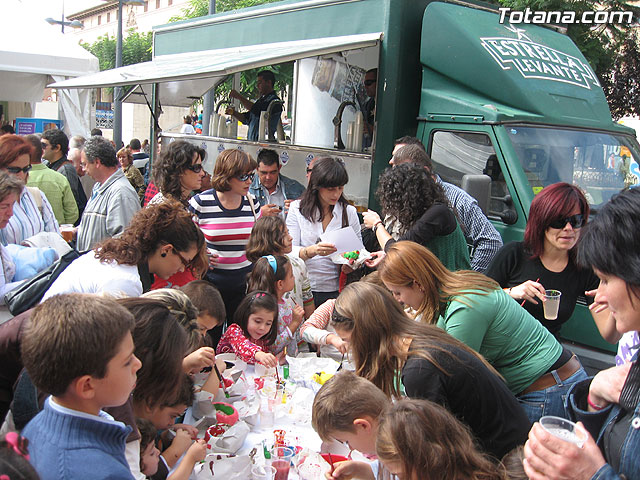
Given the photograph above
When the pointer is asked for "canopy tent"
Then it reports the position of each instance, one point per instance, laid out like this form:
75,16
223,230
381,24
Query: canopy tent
185,77
32,53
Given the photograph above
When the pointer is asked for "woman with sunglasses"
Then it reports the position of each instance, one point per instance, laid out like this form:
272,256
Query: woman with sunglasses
545,260
226,214
179,172
32,213
160,240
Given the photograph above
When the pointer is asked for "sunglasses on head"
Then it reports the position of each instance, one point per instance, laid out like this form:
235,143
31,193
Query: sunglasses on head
246,176
576,221
368,83
197,168
17,170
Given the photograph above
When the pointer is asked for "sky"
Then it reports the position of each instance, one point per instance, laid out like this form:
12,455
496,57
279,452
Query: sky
53,8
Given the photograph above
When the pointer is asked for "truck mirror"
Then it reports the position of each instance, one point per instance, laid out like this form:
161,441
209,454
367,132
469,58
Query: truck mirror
479,187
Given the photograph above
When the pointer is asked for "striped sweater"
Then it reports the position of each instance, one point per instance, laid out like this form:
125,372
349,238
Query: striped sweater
226,231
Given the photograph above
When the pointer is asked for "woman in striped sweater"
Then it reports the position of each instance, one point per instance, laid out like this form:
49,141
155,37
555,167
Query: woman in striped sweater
226,215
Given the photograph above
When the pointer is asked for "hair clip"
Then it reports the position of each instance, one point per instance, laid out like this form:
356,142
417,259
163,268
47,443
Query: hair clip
18,443
272,261
258,295
4,477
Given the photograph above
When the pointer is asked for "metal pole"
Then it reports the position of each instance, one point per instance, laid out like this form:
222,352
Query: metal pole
209,98
117,104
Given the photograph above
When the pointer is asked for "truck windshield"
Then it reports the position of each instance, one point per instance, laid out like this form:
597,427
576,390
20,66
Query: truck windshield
601,164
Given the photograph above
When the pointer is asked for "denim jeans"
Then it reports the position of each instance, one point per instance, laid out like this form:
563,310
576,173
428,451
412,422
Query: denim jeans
550,401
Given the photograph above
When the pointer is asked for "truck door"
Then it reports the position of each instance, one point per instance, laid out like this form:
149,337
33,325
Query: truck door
459,150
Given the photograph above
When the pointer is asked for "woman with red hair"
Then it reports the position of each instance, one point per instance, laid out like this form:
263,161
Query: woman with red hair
32,213
545,260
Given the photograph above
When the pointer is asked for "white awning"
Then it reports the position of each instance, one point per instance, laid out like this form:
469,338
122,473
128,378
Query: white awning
184,77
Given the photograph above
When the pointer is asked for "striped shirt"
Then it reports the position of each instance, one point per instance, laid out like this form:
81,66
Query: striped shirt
27,220
226,231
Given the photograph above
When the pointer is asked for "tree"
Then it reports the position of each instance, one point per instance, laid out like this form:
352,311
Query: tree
611,49
136,48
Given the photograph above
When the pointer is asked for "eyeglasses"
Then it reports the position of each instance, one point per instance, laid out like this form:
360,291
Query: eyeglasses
246,176
197,168
576,221
184,261
309,170
17,170
368,83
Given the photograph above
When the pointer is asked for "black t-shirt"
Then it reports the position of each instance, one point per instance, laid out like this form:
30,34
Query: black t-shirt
474,394
513,266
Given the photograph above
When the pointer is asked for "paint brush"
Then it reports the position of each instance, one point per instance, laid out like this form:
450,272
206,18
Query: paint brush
224,389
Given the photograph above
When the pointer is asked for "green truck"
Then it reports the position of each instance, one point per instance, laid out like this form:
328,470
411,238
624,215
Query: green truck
503,110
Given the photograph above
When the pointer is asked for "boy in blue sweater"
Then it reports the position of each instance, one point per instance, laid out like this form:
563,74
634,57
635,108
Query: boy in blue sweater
79,349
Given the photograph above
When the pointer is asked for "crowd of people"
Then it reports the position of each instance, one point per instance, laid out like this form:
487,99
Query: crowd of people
455,362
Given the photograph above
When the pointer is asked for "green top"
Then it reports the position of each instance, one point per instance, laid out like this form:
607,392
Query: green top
57,190
451,250
511,340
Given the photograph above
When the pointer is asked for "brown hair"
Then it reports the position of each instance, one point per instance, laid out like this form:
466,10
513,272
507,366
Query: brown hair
151,228
161,344
263,277
267,237
12,147
206,298
430,443
183,309
148,434
378,325
341,400
125,152
185,395
8,185
72,335
408,262
231,163
512,462
173,162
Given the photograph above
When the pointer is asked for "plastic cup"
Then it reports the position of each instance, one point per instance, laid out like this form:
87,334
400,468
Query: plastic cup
552,304
564,429
66,230
281,461
263,472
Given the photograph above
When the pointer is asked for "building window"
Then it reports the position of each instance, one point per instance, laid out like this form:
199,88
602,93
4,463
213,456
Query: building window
169,2
99,19
157,3
108,17
146,6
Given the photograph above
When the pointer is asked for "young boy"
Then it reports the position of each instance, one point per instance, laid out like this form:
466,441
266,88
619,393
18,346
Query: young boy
207,299
347,408
79,349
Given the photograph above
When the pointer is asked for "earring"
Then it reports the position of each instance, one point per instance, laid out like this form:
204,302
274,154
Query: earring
163,254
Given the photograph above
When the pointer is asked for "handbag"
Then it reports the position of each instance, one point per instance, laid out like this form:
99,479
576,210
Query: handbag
31,291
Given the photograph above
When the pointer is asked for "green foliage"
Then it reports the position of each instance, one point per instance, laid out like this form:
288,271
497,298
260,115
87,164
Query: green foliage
200,8
136,48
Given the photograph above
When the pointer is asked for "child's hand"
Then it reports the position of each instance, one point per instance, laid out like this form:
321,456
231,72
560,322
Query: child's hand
267,359
298,317
190,429
336,341
182,441
197,451
350,469
196,361
222,366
